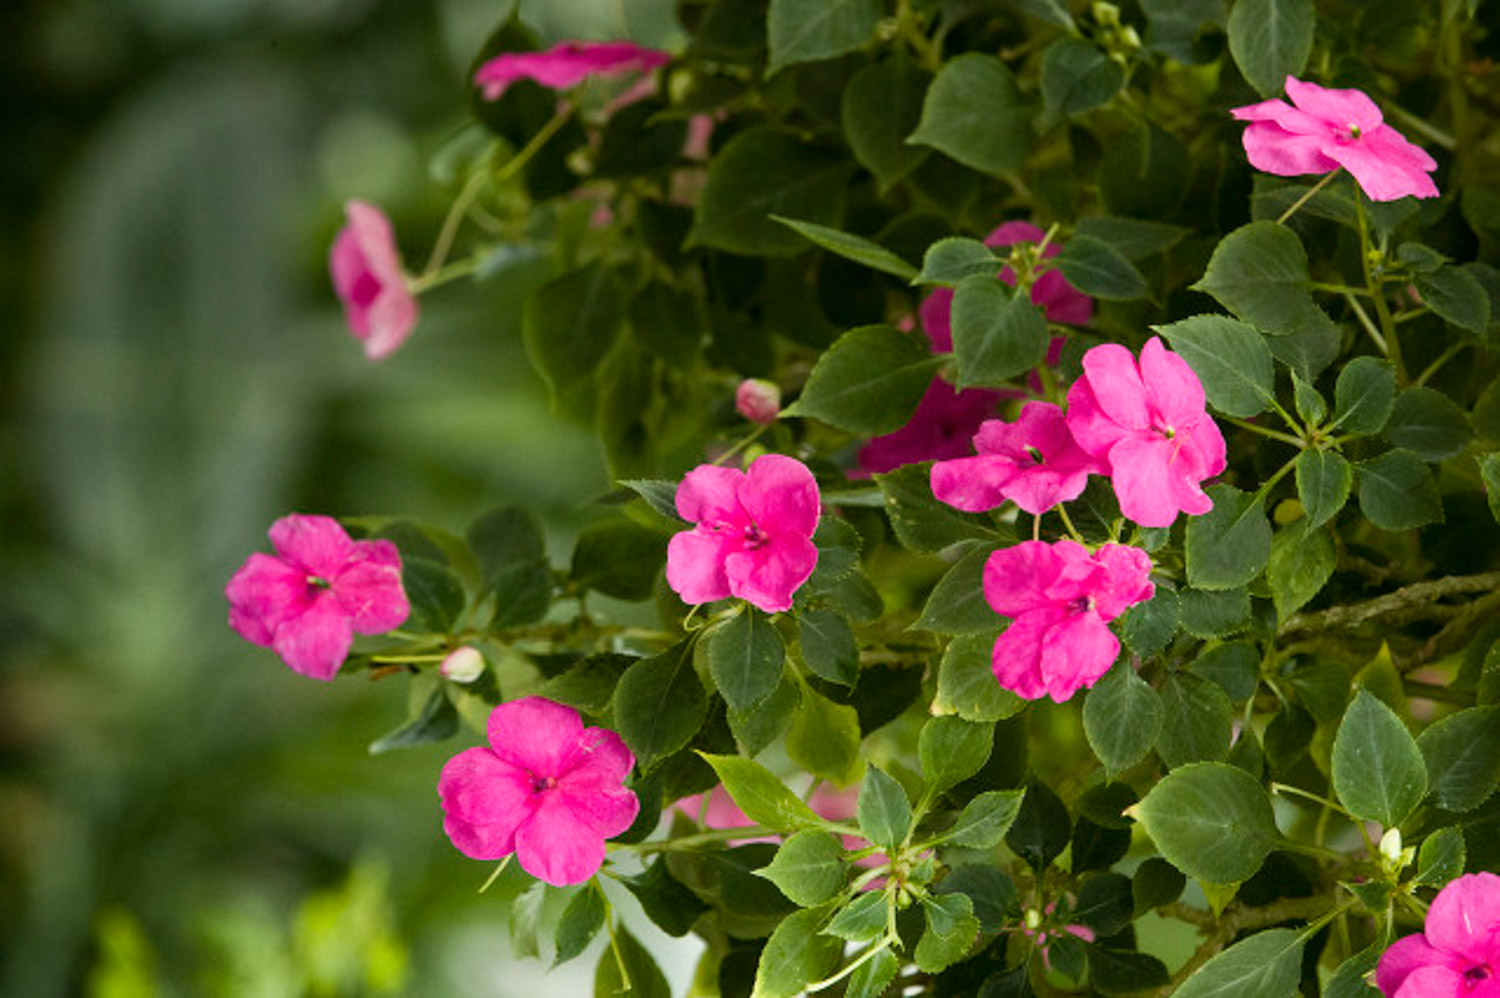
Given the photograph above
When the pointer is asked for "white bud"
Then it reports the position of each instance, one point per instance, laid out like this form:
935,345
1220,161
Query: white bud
463,665
1390,847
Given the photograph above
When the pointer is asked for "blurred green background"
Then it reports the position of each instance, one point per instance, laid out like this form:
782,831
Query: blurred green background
183,815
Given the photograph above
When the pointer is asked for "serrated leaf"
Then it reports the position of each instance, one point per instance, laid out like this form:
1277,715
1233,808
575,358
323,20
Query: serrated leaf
882,105
967,684
569,325
824,738
949,261
1122,716
1097,269
1270,40
1260,273
1265,965
1441,857
1231,543
795,956
761,795
1197,721
828,646
997,332
660,495
1324,481
809,868
851,247
951,930
1455,294
1077,77
951,750
985,820
1133,238
580,922
745,657
797,31
1397,492
861,920
659,704
1230,358
1302,562
873,976
1211,820
1363,396
1041,829
957,604
1378,770
1429,424
437,721
922,523
1462,753
884,812
974,112
869,382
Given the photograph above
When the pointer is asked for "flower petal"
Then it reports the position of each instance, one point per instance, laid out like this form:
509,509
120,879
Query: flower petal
1149,489
1401,958
316,641
555,846
1128,582
936,316
1115,379
941,428
1464,915
1078,651
972,484
264,592
1012,232
1172,387
478,787
1434,981
607,811
1272,149
768,575
537,735
1386,165
602,759
1015,578
1341,109
370,594
695,564
1062,303
316,543
1016,658
712,494
781,495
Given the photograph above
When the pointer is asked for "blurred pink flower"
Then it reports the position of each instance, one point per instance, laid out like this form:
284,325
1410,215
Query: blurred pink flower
366,269
942,427
547,788
826,801
758,401
1457,955
1034,462
566,65
1059,597
1050,929
752,536
320,588
1148,423
1327,129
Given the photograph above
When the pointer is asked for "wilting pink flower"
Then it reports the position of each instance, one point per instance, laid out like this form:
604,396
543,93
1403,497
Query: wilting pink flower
942,426
1059,597
566,65
1034,462
753,533
1148,423
758,401
1457,955
320,588
547,789
1327,129
367,276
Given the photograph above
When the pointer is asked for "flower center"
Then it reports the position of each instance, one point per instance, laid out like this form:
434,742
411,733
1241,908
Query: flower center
1082,604
541,784
1479,973
1354,130
1036,455
318,582
754,536
1166,431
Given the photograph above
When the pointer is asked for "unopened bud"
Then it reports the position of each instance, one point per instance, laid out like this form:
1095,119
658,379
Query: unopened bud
758,401
1390,847
463,665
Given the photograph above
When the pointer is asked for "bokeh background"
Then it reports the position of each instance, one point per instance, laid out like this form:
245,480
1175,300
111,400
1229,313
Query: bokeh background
179,813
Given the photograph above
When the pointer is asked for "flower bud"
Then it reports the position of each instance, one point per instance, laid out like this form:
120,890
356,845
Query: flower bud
464,664
1390,848
758,401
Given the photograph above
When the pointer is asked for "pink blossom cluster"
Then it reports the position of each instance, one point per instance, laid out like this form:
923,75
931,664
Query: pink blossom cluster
1457,954
546,788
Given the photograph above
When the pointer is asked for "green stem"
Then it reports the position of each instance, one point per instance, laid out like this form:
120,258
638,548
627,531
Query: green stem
864,958
437,278
1308,195
614,946
1436,692
1245,424
1286,788
1382,310
1437,365
496,875
744,442
1369,327
1337,289
1072,530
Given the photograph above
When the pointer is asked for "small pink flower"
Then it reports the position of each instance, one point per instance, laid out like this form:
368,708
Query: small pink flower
547,789
566,65
320,588
942,427
1059,597
758,401
1148,423
1327,129
1034,462
367,276
1457,955
753,533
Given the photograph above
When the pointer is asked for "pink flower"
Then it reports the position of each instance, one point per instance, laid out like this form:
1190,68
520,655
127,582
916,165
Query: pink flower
1034,462
758,401
1457,955
1049,928
942,426
753,533
547,789
367,276
1059,598
321,588
566,65
1327,129
1149,425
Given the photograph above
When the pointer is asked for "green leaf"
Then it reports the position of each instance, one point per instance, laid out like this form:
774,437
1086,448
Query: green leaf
1324,480
1462,752
436,596
1105,903
1428,424
957,604
974,113
884,811
1234,668
1456,295
1119,972
1302,562
838,545
1230,358
1353,976
1122,717
809,868
1489,472
745,657
1211,820
569,324
951,930
824,739
1156,883
1259,272
1230,544
1265,965
1363,396
922,523
869,382
619,559
1214,614
645,977
967,685
1041,829
1197,721
660,704
1077,77
997,332
1310,404
949,261
639,140
1270,40
796,955
507,543
991,890
1378,772
1147,628
580,922
759,173
660,495
667,901
761,794
874,976
437,721
1441,857
1099,270
758,727
828,646
1132,238
669,324
862,920
852,247
985,820
951,750
590,685
883,105
1397,492
797,31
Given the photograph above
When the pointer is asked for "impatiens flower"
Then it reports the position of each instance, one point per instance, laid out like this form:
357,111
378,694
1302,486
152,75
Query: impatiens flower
320,589
753,533
1059,597
367,276
1457,955
942,426
1034,462
1322,130
566,65
758,401
547,789
1148,423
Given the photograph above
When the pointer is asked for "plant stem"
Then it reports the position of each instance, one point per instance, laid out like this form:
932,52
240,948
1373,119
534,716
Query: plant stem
1364,320
1442,358
1072,530
1382,310
864,958
1245,424
1419,595
1308,195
